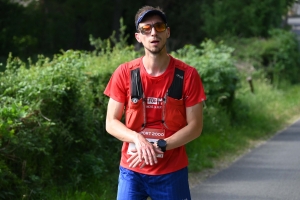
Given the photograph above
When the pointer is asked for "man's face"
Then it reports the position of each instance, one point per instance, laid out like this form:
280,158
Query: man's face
154,40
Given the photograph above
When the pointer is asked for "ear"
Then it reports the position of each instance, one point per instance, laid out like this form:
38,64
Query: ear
137,37
168,32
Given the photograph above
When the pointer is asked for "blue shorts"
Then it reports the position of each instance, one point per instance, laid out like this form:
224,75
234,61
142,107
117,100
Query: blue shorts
136,186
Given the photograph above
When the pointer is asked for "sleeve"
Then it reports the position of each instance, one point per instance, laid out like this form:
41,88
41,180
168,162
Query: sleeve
117,85
193,88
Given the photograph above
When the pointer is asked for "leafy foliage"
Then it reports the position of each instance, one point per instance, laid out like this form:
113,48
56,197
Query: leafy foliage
215,65
243,18
277,57
53,120
50,124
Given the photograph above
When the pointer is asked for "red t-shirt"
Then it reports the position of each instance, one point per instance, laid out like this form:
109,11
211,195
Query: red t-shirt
154,89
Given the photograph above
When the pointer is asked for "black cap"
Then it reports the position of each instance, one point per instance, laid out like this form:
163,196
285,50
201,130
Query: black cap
161,14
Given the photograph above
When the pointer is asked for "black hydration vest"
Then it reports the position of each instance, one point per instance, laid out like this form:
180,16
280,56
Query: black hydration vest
174,91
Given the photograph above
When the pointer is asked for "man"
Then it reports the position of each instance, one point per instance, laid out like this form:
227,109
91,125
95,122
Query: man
162,99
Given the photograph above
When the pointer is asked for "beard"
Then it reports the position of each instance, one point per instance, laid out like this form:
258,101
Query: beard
157,50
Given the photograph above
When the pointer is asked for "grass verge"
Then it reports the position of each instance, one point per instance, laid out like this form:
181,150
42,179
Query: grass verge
258,117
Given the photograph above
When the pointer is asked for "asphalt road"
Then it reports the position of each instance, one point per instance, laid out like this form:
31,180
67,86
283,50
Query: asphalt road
269,172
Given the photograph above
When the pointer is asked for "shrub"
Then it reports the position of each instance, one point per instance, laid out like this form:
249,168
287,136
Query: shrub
277,56
52,129
215,65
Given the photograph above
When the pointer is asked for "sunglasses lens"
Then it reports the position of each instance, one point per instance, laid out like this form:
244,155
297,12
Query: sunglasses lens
160,27
146,28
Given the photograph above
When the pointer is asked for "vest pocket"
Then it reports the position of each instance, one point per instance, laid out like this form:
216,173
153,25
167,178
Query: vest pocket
175,114
134,115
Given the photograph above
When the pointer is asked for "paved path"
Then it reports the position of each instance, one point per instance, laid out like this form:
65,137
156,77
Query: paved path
269,172
295,24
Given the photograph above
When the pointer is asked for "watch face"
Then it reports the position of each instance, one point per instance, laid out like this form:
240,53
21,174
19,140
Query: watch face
161,143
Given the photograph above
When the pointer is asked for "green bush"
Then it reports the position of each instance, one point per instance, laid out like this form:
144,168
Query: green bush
281,58
243,18
50,123
11,186
277,56
215,65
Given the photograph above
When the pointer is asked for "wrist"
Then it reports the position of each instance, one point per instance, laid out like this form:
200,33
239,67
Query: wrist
162,144
136,137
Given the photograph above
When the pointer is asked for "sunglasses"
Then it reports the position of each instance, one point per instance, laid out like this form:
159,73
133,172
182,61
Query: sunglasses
147,28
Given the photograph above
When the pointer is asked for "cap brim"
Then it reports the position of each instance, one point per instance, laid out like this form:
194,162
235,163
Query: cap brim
163,16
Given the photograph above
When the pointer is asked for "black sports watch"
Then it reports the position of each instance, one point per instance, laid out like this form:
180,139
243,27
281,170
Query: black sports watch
162,144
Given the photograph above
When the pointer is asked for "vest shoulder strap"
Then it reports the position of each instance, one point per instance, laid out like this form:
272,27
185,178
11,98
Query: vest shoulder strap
176,88
136,85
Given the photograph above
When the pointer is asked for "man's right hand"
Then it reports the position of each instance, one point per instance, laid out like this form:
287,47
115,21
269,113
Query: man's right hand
146,152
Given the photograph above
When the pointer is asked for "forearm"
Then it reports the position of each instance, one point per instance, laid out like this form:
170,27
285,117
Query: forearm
183,136
114,126
117,129
189,132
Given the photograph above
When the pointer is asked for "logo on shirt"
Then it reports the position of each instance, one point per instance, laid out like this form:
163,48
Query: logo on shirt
152,100
181,77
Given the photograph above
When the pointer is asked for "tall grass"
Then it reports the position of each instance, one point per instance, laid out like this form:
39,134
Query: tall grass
258,116
101,190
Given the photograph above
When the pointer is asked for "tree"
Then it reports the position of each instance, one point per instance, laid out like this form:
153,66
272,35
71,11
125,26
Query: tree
243,18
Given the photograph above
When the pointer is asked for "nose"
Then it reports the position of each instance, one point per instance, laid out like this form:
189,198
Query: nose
153,31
